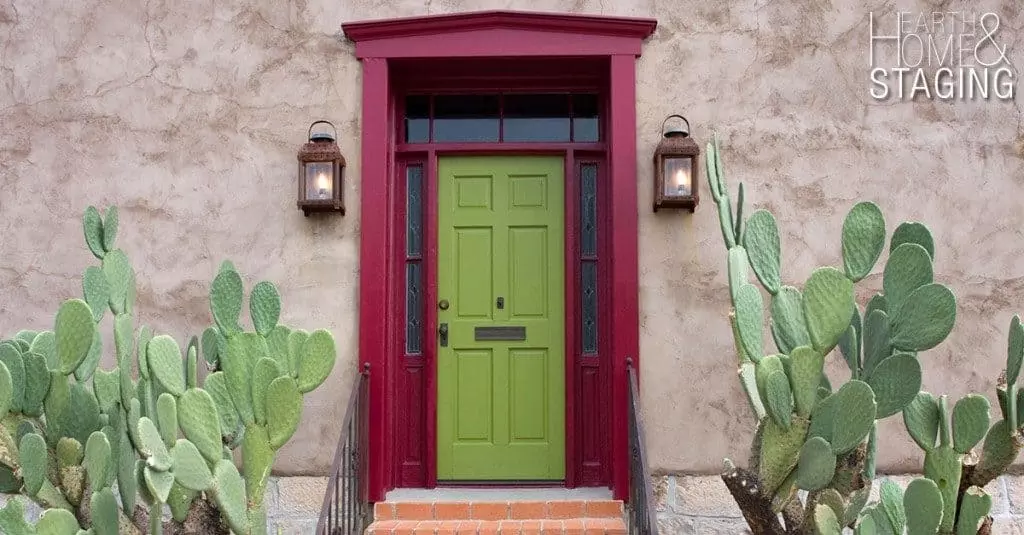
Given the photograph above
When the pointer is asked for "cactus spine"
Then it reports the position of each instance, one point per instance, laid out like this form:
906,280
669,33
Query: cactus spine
69,430
822,441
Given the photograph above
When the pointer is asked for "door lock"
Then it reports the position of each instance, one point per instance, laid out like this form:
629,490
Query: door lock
442,332
501,303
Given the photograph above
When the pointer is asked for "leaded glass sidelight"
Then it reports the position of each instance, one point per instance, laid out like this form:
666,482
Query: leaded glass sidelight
588,259
414,260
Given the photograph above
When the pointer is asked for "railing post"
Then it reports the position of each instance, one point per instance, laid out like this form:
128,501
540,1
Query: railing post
345,509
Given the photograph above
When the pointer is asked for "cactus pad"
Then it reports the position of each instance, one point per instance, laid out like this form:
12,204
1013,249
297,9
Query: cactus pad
738,275
6,389
895,382
229,493
925,319
151,445
11,357
921,418
226,295
57,522
264,307
1015,350
942,465
110,220
211,345
88,365
909,267
121,279
45,344
877,340
165,364
780,451
778,398
93,226
825,521
891,498
970,421
317,359
104,512
73,330
265,371
973,509
806,367
863,239
243,351
96,291
190,469
816,465
37,384
762,243
97,459
105,386
912,232
923,505
284,410
853,415
277,345
749,322
827,306
295,341
216,386
197,415
167,418
33,459
159,483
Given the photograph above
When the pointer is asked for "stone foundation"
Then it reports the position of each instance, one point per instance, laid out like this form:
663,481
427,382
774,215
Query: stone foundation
698,505
702,505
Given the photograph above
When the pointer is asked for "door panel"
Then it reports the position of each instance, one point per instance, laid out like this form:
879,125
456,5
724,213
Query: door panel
501,402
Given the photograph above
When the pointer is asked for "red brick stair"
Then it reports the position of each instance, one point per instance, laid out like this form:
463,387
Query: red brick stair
559,517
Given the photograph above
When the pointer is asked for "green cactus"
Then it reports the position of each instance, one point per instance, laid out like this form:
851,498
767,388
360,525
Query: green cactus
922,504
824,441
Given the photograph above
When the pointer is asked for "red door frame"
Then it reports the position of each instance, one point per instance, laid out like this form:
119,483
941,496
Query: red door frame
494,34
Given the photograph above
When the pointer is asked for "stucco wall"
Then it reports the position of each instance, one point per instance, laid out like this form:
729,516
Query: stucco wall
187,115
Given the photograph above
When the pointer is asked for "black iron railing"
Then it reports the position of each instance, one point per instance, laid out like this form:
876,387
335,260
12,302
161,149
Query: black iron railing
346,509
640,510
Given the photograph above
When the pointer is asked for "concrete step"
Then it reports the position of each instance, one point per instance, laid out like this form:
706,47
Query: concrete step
555,517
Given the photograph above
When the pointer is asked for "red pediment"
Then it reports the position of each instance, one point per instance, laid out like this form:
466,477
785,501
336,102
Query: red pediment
499,33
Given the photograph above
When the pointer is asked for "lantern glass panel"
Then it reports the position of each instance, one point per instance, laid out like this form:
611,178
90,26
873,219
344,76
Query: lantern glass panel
319,181
678,177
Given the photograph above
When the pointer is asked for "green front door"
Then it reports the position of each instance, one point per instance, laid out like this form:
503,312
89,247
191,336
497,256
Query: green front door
501,365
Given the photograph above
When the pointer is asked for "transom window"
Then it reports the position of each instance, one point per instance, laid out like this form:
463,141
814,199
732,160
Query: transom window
503,117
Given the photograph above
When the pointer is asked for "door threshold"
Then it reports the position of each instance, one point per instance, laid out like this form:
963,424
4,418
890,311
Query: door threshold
508,491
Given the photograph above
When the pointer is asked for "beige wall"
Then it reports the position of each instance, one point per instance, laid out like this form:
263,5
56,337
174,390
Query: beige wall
187,115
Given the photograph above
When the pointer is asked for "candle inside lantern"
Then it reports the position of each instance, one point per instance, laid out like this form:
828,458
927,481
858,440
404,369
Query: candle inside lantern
678,180
323,185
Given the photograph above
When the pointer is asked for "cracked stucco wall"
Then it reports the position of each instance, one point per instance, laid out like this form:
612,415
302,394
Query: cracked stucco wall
187,115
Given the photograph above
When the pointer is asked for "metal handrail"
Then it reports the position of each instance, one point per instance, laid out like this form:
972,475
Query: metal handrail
346,508
641,516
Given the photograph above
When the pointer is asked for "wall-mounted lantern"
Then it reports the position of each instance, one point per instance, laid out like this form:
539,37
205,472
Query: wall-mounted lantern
321,172
675,168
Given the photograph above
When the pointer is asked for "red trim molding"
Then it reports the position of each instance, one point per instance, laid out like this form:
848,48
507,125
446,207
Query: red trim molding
499,33
387,47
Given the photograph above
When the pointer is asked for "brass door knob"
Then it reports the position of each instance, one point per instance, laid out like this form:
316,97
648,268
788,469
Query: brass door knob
443,304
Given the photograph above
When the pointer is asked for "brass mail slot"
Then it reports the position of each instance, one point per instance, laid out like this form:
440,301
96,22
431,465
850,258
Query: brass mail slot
500,333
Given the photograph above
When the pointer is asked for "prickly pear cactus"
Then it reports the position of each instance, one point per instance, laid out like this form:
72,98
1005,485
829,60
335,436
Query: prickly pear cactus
70,430
814,438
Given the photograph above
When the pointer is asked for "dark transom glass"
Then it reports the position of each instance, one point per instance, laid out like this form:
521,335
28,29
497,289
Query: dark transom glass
507,117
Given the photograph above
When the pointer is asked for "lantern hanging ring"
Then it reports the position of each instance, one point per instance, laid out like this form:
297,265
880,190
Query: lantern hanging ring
684,134
328,137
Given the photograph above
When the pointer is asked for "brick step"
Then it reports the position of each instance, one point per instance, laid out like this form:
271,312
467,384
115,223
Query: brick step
571,526
556,517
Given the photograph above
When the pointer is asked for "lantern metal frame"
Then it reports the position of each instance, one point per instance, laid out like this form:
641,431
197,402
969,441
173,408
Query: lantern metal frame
321,148
676,143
